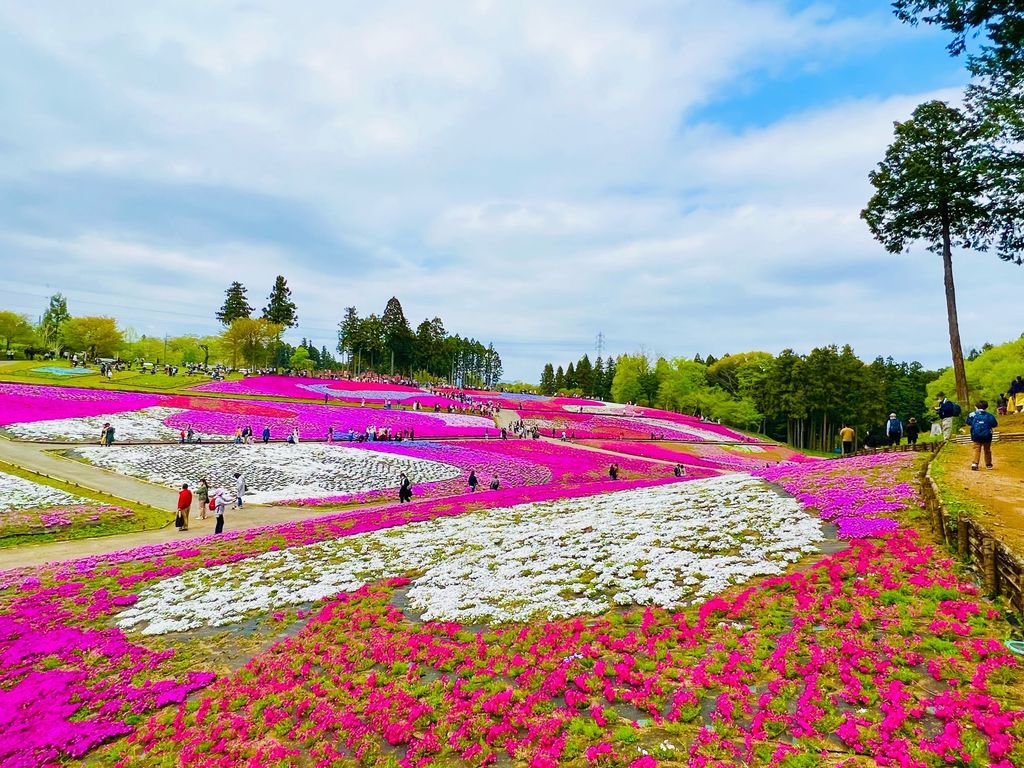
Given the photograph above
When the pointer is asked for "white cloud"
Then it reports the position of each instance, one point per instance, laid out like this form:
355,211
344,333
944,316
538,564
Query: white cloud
531,172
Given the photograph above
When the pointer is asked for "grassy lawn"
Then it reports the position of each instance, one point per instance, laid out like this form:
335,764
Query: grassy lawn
22,372
102,515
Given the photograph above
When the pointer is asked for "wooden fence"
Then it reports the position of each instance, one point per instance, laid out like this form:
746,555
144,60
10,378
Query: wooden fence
933,447
1001,570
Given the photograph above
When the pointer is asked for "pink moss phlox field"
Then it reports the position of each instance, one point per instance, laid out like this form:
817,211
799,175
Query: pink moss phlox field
597,426
785,668
856,494
65,689
305,388
29,402
61,517
705,455
313,420
515,462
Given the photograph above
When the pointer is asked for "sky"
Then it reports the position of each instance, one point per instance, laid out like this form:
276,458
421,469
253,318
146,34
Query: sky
682,177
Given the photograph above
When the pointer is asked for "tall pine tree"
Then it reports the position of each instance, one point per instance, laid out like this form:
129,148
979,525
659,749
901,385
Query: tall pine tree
236,305
547,380
280,308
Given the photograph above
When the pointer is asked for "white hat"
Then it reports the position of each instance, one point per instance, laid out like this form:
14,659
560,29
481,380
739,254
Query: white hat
892,415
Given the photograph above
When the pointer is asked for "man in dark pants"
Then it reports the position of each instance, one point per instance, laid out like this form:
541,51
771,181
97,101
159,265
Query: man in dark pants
913,430
847,434
982,423
893,429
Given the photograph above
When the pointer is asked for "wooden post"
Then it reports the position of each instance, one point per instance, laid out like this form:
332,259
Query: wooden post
988,565
937,524
962,539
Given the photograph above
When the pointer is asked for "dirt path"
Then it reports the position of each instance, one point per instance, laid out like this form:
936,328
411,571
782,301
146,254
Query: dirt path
33,456
998,491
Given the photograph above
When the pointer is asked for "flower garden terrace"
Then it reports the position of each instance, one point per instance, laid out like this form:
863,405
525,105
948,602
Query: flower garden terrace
565,619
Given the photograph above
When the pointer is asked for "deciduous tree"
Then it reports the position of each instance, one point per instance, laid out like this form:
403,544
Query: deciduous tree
98,336
14,329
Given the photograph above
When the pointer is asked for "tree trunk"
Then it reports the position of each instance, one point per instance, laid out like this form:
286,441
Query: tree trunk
954,327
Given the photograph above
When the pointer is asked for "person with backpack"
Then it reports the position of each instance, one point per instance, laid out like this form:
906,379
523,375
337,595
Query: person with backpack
947,411
893,429
982,423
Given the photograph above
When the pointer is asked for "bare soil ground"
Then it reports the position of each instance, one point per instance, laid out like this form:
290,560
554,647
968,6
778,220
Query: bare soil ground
995,496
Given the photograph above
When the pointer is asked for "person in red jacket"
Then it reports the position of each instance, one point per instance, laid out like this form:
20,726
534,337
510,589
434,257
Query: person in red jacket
184,505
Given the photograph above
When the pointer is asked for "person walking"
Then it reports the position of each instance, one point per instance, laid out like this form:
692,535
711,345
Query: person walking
494,482
404,489
203,497
184,507
982,423
947,410
893,429
847,435
472,482
912,431
613,471
218,499
266,434
240,489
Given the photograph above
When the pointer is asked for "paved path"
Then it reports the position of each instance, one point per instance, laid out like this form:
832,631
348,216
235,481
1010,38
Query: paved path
34,456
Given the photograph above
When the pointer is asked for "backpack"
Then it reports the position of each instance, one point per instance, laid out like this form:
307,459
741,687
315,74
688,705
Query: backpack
893,427
981,427
956,409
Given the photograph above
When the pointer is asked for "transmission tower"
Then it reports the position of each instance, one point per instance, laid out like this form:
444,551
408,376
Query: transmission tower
600,344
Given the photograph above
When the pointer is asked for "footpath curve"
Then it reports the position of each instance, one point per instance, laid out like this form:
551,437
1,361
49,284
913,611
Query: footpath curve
34,457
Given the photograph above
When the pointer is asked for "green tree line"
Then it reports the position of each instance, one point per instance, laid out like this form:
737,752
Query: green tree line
800,399
387,343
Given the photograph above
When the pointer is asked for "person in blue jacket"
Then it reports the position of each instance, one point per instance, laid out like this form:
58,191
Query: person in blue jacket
893,429
982,423
946,410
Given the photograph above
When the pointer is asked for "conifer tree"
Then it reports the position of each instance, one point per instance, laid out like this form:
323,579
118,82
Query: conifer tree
547,380
236,305
280,308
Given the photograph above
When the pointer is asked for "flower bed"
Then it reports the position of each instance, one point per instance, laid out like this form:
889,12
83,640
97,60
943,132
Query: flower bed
739,458
880,654
566,557
781,674
302,387
593,425
313,421
857,494
144,424
515,462
272,472
30,402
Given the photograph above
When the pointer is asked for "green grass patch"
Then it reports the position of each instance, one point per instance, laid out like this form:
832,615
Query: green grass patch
144,517
955,504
